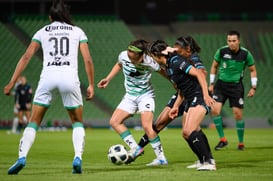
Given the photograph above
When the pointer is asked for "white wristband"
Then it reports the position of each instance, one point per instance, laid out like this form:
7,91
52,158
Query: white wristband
211,78
254,81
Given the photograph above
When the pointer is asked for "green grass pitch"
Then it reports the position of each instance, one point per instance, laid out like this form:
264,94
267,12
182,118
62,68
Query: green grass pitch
51,155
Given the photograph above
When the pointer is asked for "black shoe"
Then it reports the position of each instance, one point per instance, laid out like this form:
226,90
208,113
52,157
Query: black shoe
221,145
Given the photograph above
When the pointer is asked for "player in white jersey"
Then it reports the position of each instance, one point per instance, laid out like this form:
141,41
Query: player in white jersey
137,67
60,41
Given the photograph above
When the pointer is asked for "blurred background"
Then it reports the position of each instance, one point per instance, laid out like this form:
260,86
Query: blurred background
112,24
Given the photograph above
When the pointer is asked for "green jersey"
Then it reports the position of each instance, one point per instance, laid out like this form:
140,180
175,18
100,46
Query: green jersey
232,65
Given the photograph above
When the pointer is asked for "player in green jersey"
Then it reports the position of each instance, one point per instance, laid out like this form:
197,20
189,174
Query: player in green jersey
230,62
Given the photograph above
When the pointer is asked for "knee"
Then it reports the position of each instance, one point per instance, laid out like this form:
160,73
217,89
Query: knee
186,134
237,115
113,122
215,112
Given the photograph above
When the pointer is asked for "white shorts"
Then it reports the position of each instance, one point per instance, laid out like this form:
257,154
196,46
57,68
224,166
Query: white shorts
133,104
68,86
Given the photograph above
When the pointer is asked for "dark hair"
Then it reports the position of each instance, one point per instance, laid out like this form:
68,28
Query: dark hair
60,12
188,41
234,32
139,46
157,47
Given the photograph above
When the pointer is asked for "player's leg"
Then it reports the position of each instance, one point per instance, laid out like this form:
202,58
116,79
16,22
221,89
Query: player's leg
237,104
20,120
78,137
218,121
220,95
116,122
191,131
162,121
15,121
70,91
154,139
147,116
240,126
28,138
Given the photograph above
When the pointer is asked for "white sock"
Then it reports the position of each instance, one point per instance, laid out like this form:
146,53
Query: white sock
26,141
14,125
158,149
130,141
78,137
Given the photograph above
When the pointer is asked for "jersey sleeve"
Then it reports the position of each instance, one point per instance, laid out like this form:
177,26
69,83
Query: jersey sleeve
122,56
217,55
250,59
83,37
37,37
198,62
155,66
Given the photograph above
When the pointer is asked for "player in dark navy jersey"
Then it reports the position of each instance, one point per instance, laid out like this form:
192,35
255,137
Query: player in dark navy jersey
192,87
163,119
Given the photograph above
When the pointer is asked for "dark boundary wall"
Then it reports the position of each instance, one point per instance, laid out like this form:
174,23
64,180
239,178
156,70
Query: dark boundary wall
151,11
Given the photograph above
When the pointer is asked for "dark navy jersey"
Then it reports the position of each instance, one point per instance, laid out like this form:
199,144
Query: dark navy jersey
197,62
178,71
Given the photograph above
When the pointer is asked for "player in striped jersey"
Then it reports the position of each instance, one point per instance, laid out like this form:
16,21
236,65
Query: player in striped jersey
137,67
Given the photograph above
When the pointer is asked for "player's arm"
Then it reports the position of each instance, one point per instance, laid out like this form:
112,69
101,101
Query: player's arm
175,109
254,79
21,65
213,72
89,68
105,81
203,83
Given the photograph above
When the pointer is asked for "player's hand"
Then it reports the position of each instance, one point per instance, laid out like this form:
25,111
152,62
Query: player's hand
7,89
17,106
251,92
90,92
103,83
209,101
28,105
173,112
211,89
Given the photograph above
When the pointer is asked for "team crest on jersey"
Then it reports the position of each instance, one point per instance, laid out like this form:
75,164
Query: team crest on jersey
215,97
227,56
148,106
225,65
241,101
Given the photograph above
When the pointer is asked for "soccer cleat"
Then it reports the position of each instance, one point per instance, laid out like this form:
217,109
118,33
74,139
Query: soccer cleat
17,166
196,164
134,153
206,166
77,166
157,162
221,145
241,146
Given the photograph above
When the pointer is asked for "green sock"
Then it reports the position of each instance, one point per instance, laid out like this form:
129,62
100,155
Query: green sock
218,121
240,127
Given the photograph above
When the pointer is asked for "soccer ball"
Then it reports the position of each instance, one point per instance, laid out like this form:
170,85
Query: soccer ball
117,154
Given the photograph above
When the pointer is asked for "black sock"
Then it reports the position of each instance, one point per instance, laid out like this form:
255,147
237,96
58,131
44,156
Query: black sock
193,149
198,142
206,142
144,140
